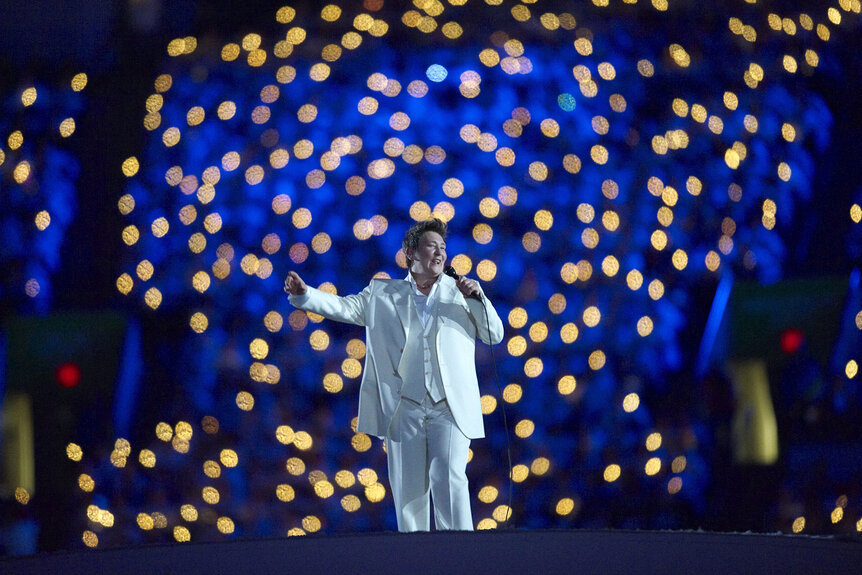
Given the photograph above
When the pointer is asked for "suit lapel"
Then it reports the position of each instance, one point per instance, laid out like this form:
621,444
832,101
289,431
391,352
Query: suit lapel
399,292
448,294
401,296
448,291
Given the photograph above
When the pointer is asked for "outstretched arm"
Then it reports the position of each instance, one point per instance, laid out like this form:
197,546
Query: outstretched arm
348,309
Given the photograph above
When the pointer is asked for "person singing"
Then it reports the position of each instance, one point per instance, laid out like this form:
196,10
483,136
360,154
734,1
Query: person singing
419,390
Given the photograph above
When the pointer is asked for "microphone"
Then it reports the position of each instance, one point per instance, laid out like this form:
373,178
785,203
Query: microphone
450,271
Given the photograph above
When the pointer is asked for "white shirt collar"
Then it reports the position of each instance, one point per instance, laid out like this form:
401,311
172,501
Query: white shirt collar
415,287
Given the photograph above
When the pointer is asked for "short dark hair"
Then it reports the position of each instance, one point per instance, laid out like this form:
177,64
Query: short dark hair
414,234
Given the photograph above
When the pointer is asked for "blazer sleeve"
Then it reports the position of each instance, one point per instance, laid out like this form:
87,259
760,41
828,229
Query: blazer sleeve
347,309
488,324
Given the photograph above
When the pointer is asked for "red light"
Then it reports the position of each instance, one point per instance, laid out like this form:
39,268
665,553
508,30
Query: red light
68,375
792,340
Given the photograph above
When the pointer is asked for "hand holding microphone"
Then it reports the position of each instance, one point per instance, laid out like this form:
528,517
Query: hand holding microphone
468,287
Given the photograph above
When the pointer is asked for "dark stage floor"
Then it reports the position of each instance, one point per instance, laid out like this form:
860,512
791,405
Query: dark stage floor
538,551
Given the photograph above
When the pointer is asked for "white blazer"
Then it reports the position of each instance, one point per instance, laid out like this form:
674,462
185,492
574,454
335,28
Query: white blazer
384,308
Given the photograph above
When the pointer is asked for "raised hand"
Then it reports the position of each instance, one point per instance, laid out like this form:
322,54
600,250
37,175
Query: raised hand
294,285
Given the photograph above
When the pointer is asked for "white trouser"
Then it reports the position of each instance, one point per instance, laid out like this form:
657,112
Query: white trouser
428,453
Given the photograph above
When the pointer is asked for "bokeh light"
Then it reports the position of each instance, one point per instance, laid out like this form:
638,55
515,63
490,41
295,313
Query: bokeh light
602,181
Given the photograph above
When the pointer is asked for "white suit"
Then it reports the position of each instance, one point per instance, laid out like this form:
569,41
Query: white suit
387,311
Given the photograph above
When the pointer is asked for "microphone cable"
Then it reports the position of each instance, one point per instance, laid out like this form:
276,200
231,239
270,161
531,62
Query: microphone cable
509,522
510,513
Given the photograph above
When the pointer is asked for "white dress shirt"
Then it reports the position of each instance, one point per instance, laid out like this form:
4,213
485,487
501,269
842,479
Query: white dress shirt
424,304
425,310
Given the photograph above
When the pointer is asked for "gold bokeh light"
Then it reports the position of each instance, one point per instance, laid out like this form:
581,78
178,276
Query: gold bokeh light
326,160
